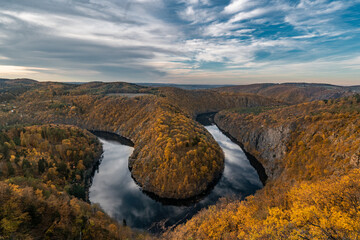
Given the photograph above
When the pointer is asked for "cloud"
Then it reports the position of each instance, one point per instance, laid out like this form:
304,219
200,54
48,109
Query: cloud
196,15
326,70
226,29
93,37
249,15
195,2
353,63
318,15
157,40
8,70
238,5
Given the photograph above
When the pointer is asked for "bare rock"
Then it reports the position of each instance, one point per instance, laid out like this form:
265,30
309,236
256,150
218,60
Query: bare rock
355,160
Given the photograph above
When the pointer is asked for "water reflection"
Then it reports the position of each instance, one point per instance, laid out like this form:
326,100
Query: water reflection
121,198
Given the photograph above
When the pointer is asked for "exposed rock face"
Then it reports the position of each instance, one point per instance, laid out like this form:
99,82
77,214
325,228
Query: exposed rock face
268,145
355,160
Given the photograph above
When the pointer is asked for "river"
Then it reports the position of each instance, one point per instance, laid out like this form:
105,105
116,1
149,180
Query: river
120,197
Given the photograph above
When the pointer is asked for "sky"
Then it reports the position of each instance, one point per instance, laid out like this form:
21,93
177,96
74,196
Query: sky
179,41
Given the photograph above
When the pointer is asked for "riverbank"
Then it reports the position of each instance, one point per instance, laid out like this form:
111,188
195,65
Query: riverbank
209,119
309,151
119,195
165,201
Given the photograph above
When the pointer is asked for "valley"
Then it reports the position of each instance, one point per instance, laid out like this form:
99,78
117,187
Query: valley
115,190
304,146
179,120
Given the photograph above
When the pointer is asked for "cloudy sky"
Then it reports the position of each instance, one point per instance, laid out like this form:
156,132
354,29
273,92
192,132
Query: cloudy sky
181,41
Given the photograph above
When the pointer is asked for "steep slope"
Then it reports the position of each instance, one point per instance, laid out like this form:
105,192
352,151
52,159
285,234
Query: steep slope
314,186
203,101
62,155
162,134
174,156
311,153
42,168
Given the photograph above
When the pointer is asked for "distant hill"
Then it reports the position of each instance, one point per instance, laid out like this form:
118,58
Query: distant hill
9,88
18,80
295,92
15,83
184,86
111,87
196,102
291,93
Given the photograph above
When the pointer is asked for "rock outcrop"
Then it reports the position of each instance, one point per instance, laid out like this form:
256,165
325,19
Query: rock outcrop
267,144
355,160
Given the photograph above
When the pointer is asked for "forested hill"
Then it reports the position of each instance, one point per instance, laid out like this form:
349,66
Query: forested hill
295,92
44,173
19,86
159,121
311,153
202,101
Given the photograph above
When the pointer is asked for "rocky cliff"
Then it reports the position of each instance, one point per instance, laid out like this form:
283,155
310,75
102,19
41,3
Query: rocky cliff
266,144
311,152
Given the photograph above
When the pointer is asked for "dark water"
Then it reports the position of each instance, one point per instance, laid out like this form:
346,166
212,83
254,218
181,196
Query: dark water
117,193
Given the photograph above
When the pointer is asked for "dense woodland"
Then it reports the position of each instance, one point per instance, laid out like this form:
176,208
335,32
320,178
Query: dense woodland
58,155
203,101
163,137
174,156
294,93
316,191
43,185
310,151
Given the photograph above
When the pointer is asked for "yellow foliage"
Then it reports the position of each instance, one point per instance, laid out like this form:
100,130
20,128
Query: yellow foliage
316,195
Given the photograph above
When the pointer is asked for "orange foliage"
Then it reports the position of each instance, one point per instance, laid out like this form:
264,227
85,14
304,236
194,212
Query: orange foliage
317,193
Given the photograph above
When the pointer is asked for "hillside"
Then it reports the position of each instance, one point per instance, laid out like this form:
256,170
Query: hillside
294,92
56,154
162,136
311,152
9,89
44,173
162,128
203,101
